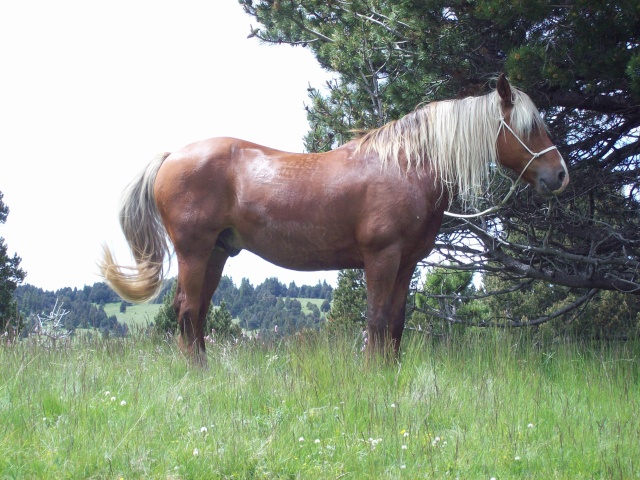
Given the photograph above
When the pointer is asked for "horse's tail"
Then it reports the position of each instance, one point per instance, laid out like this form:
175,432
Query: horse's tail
147,239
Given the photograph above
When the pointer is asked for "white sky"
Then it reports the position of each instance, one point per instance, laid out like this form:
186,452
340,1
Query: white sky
90,91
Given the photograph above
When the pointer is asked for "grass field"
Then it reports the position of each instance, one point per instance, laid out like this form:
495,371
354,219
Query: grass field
479,406
136,315
316,301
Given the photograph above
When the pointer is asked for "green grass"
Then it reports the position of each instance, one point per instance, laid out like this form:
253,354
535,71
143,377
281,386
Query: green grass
139,315
316,301
481,405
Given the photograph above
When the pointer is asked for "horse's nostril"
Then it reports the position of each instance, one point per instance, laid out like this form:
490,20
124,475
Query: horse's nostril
561,176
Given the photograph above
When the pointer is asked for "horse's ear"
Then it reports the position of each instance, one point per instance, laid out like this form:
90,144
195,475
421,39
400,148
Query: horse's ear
504,90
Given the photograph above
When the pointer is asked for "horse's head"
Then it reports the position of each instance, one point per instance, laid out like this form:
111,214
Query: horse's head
524,145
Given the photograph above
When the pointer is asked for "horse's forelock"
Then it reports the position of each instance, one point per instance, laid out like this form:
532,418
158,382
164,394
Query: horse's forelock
525,118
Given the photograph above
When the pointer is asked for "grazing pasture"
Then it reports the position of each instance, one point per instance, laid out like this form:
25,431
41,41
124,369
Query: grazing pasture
140,315
478,405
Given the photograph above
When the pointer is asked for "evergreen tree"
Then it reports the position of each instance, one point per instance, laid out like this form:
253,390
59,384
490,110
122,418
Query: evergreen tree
11,275
293,290
326,306
349,299
166,320
608,314
313,308
220,323
580,63
443,299
102,294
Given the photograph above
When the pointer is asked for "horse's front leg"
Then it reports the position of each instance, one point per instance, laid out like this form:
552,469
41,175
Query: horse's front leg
387,287
399,306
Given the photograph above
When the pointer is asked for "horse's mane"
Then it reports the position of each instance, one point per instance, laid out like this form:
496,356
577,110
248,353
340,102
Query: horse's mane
455,138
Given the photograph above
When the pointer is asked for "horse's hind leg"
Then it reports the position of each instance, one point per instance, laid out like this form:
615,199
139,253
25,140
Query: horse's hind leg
198,278
212,277
192,269
191,273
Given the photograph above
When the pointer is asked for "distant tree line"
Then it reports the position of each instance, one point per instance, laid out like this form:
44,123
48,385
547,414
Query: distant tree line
264,307
271,307
85,307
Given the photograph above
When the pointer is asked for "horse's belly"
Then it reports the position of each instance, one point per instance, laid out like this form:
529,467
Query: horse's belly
304,246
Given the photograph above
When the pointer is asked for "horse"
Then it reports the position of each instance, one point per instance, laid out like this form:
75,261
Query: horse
375,203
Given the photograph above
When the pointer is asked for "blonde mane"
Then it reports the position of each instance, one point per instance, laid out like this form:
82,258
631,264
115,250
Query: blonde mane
454,138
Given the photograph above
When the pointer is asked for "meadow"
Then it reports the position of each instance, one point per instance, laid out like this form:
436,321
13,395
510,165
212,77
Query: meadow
476,405
140,315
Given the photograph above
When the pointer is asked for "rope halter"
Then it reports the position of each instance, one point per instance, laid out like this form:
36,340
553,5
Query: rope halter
514,184
533,155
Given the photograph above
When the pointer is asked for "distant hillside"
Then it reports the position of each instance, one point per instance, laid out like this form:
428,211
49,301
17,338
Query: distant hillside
140,316
255,308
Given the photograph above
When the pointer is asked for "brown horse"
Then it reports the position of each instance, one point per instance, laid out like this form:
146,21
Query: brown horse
374,203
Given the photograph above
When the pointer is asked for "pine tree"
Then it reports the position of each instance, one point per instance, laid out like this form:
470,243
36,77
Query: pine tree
166,320
220,323
580,63
11,275
349,299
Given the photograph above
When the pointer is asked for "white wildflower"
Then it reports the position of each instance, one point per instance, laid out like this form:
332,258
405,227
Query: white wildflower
374,442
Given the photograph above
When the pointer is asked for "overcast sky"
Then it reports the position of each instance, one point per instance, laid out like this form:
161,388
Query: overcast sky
91,91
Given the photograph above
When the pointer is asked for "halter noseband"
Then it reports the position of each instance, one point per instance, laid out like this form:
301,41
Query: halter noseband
513,186
533,155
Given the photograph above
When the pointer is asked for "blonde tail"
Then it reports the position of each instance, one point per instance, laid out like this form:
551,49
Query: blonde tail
146,235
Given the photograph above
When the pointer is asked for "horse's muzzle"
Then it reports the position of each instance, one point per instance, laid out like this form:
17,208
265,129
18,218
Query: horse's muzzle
553,183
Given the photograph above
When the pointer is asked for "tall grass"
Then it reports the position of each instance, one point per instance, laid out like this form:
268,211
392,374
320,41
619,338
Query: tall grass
476,405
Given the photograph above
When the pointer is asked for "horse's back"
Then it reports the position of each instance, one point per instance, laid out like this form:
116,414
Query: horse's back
300,211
